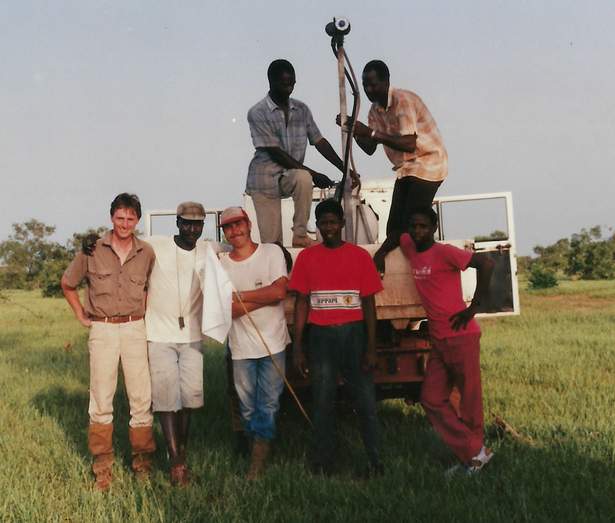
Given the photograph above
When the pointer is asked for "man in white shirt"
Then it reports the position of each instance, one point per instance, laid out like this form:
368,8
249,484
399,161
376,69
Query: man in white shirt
175,342
258,273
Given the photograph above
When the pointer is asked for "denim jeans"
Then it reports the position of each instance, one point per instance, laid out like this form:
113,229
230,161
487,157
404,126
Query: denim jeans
259,386
335,350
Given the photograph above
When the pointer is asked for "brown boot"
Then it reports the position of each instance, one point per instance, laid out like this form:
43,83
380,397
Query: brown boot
180,475
260,449
142,441
101,447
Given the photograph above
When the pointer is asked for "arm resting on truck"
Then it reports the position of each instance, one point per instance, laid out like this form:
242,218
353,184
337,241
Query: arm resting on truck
484,270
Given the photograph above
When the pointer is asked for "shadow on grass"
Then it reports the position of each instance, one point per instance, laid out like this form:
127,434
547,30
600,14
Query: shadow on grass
68,409
212,439
45,356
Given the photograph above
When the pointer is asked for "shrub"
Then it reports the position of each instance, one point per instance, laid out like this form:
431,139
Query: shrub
542,279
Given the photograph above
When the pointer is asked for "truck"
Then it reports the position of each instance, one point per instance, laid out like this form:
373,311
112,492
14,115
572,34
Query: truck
478,223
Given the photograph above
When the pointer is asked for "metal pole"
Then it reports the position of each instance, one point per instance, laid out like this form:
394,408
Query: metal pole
348,214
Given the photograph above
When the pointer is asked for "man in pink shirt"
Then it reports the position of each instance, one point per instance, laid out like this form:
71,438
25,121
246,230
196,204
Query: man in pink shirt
454,358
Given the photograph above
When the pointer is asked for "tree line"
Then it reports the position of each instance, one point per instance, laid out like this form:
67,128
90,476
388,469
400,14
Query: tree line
30,260
585,256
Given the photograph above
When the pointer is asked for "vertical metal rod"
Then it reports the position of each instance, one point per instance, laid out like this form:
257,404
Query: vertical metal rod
341,71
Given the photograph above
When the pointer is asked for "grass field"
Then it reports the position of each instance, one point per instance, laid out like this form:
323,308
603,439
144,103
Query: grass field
549,373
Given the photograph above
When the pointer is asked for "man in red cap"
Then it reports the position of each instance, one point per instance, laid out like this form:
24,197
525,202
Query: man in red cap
259,276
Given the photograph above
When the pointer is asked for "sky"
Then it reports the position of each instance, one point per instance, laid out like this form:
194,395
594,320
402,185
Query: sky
151,97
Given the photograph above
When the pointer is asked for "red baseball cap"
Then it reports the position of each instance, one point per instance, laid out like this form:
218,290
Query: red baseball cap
232,215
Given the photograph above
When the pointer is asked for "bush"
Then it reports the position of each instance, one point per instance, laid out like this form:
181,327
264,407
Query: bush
542,279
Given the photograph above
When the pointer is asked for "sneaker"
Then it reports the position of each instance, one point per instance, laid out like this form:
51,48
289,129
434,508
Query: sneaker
303,241
180,475
479,461
453,470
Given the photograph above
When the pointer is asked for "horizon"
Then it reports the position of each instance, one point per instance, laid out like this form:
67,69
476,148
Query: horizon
151,99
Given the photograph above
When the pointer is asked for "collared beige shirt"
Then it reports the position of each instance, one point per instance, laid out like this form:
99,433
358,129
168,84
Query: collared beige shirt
404,115
113,288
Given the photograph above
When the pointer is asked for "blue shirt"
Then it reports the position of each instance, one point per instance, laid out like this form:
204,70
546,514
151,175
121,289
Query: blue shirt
269,129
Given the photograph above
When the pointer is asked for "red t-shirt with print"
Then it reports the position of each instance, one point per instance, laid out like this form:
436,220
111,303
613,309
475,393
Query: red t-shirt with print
336,280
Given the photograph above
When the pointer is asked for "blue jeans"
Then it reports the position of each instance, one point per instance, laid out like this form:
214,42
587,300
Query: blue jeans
335,350
259,385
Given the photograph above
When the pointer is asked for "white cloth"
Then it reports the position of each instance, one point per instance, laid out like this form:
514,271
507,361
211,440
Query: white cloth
265,266
218,296
175,290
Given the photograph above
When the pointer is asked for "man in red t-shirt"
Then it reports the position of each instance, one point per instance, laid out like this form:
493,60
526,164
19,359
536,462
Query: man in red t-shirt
336,283
454,358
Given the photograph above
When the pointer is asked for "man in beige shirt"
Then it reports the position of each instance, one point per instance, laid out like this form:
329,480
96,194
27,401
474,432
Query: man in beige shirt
117,275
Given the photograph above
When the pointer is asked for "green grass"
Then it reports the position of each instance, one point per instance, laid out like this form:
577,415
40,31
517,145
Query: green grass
548,373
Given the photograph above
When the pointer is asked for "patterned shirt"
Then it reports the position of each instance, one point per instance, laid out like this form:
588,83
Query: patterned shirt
404,115
269,129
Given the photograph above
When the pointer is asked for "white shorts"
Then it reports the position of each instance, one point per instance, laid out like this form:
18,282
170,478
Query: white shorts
177,375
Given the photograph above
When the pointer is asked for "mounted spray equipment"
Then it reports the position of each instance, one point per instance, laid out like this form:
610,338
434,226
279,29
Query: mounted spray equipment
337,30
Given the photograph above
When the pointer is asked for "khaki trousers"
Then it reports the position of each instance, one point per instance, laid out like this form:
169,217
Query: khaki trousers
297,183
109,344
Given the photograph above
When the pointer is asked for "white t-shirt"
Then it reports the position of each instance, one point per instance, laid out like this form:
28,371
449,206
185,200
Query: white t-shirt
175,289
265,266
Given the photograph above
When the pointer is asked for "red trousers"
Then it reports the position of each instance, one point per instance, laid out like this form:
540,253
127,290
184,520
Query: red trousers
454,362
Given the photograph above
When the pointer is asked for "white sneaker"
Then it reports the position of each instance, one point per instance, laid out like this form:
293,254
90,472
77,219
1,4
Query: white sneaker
479,461
453,470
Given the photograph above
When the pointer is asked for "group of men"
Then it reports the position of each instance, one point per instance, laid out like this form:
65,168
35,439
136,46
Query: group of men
143,300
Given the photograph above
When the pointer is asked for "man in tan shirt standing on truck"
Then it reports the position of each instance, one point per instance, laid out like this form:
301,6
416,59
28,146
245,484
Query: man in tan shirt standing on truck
117,275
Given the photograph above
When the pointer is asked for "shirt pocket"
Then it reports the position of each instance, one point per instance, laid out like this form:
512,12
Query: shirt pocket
137,285
101,282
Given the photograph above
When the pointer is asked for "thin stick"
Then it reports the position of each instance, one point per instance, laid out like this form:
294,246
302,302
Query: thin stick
275,362
507,428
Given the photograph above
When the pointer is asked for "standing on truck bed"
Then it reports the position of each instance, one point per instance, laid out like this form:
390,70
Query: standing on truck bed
401,122
281,128
336,283
454,358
